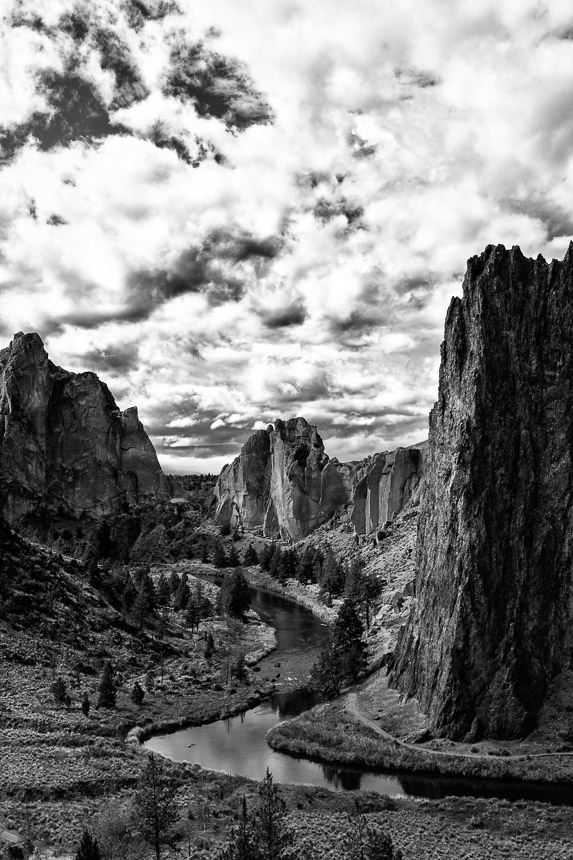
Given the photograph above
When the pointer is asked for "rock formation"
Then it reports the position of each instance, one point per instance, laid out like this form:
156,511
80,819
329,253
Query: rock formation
491,624
285,483
64,444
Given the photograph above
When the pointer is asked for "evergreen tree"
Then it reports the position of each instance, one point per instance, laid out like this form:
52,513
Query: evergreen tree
145,600
219,557
233,559
88,848
327,674
183,594
106,691
265,556
128,597
59,691
365,840
272,837
251,556
174,582
86,705
234,597
209,647
241,845
155,805
163,591
348,632
137,694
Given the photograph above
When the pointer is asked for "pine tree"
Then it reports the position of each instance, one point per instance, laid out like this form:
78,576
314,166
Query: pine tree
233,559
88,848
86,705
327,674
137,694
183,594
265,556
209,647
59,691
174,582
219,557
348,632
272,837
163,591
251,556
155,804
234,597
241,845
107,692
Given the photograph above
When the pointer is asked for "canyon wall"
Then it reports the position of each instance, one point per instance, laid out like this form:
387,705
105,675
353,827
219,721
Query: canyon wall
64,444
491,623
284,483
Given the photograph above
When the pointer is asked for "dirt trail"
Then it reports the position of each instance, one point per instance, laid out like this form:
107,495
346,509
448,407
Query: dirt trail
351,705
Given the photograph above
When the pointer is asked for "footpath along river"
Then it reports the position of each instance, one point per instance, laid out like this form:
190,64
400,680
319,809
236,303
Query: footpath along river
238,745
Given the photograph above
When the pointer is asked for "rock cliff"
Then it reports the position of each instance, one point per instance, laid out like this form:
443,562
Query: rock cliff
491,625
285,483
64,444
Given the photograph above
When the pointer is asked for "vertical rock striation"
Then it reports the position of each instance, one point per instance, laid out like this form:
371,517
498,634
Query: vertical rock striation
284,482
64,444
491,624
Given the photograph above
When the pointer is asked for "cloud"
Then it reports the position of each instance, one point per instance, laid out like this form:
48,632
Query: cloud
238,213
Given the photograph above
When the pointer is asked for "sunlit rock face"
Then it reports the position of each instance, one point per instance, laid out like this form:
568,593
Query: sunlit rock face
491,625
285,483
64,444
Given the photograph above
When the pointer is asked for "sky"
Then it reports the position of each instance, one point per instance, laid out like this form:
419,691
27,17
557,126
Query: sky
239,210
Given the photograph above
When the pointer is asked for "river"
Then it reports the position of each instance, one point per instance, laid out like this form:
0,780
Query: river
238,745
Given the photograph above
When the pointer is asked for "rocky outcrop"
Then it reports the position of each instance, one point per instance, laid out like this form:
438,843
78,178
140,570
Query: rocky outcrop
64,444
491,623
285,483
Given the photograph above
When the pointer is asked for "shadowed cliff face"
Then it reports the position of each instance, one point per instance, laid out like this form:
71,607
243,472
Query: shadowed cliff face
491,624
64,444
284,482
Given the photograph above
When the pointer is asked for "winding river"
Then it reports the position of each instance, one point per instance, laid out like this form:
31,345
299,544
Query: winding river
237,745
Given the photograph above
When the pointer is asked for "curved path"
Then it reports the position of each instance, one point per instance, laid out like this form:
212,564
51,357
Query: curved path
351,705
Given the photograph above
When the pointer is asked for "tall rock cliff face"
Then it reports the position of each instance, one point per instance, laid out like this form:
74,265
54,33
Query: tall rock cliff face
64,444
285,483
492,621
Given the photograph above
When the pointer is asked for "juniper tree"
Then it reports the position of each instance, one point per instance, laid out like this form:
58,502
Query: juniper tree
251,556
106,691
88,848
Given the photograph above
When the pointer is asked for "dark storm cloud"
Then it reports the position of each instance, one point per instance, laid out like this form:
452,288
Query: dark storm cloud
556,220
138,12
218,86
91,319
292,315
325,210
116,57
207,268
76,112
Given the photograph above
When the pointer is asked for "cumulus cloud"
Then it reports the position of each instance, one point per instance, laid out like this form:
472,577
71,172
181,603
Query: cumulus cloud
238,212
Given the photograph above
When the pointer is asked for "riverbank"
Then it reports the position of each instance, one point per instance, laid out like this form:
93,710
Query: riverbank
305,595
333,734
